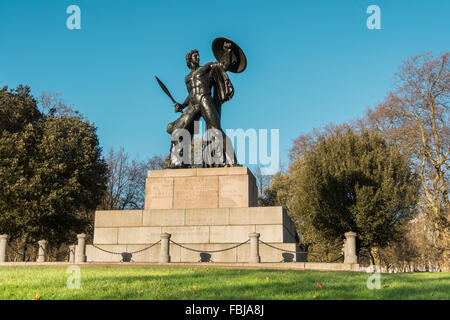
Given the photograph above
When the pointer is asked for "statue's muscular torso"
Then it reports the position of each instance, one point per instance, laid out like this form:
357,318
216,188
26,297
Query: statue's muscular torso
199,83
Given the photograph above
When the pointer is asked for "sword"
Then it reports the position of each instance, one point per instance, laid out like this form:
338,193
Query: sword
164,88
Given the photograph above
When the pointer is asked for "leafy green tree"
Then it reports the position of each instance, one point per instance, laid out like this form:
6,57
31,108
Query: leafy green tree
52,175
70,176
357,183
349,182
19,118
286,190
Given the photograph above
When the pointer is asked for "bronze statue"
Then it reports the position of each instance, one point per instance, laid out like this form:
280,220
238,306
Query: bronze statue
201,102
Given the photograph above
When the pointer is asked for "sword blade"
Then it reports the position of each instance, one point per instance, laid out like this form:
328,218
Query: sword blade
164,88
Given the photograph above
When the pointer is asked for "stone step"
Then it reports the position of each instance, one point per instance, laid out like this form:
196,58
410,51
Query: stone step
192,234
194,217
222,225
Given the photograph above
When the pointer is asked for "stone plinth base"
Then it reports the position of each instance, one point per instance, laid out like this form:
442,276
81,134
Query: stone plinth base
202,209
200,188
220,225
201,229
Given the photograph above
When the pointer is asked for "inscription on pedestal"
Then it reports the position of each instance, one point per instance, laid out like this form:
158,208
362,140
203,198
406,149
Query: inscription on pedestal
196,192
233,187
233,191
159,193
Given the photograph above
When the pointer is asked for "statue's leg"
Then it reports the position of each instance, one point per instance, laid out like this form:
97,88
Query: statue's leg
212,118
185,121
230,155
209,112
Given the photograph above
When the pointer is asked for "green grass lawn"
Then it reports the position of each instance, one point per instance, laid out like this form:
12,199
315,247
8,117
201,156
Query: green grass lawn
215,283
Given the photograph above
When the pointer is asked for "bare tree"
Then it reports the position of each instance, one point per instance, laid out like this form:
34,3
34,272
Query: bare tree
126,180
416,116
262,182
52,103
414,252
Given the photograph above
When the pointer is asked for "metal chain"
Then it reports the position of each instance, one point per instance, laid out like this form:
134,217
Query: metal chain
13,250
20,254
337,245
190,249
134,252
139,251
269,245
209,251
339,258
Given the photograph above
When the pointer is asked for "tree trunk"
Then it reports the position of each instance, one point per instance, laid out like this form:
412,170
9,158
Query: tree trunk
373,260
445,263
25,248
24,256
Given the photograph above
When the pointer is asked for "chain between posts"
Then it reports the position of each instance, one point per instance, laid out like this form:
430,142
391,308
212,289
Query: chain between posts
134,252
289,251
15,251
209,251
32,252
190,249
340,258
273,247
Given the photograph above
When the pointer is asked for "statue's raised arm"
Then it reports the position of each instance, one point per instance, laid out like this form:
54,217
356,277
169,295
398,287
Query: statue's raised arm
230,57
229,54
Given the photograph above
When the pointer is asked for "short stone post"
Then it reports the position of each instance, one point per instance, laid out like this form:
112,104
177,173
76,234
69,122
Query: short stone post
164,257
254,248
350,248
4,247
80,249
72,253
42,253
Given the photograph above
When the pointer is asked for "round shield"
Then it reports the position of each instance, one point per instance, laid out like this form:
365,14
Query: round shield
237,62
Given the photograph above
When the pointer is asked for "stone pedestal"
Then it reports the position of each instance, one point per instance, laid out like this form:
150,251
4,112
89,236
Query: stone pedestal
232,187
164,257
42,251
254,248
80,249
350,248
204,209
72,253
4,247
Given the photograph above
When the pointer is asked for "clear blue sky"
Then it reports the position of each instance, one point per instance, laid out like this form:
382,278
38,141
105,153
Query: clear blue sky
309,62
